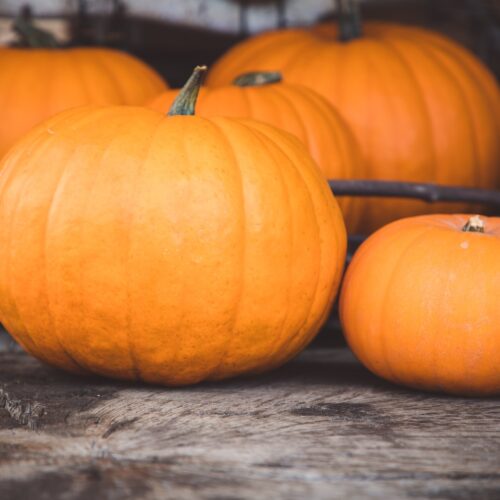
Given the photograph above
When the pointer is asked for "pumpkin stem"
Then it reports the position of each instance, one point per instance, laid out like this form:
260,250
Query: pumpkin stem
257,78
349,20
29,34
474,225
185,102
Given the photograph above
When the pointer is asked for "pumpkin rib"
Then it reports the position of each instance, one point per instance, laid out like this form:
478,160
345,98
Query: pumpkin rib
263,139
135,359
79,124
463,57
431,173
315,99
109,71
79,68
35,155
484,89
290,341
469,109
57,187
7,177
50,71
310,197
466,107
88,199
363,344
214,373
281,94
381,341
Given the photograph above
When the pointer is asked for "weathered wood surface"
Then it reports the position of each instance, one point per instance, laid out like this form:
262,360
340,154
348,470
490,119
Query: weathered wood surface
320,428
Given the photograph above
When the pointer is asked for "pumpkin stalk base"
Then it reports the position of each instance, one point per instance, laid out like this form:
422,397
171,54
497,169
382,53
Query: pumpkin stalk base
474,225
349,20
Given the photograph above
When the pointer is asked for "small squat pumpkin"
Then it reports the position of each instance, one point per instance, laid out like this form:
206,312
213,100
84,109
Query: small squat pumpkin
422,107
302,112
170,249
39,81
420,303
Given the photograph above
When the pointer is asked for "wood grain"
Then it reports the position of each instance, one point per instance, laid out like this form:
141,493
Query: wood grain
321,427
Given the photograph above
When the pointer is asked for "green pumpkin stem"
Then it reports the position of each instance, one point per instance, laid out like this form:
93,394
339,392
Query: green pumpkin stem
257,78
474,225
185,102
30,35
349,20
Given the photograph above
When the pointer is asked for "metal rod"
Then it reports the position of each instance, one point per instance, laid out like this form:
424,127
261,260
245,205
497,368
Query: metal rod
422,191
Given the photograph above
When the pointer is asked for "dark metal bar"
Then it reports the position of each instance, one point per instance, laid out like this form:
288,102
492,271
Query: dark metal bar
421,191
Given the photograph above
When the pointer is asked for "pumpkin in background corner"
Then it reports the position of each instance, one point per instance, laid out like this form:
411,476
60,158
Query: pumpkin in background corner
423,108
37,82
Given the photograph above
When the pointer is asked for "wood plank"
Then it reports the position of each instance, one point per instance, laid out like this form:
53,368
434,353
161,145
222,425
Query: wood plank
321,427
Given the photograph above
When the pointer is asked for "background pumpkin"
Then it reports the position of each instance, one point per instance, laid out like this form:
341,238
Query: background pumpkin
296,109
422,107
166,249
420,303
36,83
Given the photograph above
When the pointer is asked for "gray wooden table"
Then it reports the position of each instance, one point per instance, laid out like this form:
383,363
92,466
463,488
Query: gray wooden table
320,428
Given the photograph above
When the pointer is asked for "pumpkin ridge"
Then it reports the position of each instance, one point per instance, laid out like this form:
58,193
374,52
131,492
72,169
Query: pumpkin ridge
214,373
35,155
343,146
442,48
97,164
57,187
264,140
426,114
307,339
444,67
111,76
93,117
135,364
472,115
80,70
6,177
319,106
281,93
394,271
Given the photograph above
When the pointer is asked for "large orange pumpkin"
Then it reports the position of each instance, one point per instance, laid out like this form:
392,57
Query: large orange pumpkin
420,303
169,249
296,109
36,83
422,107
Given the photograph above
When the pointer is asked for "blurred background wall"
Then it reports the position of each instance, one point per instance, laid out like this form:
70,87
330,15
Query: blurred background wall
173,35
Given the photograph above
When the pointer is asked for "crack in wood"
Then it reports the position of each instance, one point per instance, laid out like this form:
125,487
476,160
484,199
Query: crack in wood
26,413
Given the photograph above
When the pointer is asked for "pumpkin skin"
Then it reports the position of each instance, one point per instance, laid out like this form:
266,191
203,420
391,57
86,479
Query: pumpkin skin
170,249
297,110
420,304
422,108
35,84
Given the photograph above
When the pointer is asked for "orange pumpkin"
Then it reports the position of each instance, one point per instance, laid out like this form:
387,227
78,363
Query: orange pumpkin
296,109
170,249
420,303
36,83
423,108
